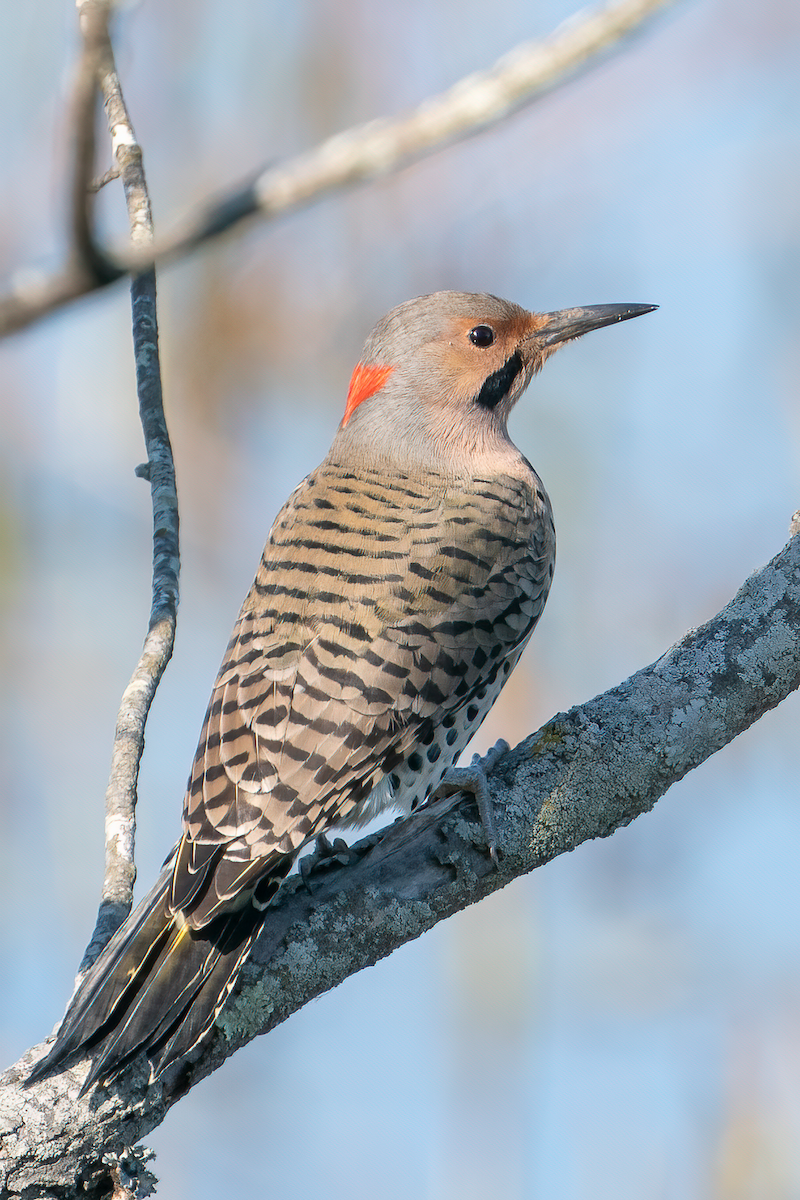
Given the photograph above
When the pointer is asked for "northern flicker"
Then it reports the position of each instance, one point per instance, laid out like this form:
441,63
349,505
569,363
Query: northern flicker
398,587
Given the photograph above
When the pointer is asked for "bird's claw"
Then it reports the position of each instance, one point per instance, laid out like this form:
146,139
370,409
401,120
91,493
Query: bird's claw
325,854
473,779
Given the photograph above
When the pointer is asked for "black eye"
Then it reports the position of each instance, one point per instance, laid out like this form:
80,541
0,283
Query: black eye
482,336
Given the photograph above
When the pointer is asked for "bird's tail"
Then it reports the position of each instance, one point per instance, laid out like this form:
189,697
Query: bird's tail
156,987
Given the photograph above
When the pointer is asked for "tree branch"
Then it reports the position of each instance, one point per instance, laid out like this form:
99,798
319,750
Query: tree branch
120,869
582,776
359,154
87,259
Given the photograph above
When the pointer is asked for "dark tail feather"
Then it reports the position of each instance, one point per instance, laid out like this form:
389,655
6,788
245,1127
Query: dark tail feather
156,987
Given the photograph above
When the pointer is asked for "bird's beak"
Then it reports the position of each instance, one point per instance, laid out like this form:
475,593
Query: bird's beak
571,323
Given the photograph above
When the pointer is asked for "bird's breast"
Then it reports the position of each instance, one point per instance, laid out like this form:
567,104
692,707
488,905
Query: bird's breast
385,544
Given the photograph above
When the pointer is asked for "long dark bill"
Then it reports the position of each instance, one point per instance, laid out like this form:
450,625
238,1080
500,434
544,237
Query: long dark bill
571,323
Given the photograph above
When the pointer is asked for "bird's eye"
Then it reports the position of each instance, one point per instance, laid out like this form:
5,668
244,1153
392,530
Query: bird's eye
482,336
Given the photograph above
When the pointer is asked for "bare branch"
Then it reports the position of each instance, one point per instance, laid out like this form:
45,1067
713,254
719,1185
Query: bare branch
582,776
379,147
362,153
87,268
87,261
474,103
120,870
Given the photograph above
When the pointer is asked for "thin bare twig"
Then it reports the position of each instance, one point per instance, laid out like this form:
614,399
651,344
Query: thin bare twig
362,153
87,259
120,870
472,104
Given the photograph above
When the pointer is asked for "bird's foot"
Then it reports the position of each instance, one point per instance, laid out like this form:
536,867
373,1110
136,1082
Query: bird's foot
325,854
473,779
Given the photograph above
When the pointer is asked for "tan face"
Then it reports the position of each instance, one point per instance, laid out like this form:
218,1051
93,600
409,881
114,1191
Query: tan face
448,350
484,359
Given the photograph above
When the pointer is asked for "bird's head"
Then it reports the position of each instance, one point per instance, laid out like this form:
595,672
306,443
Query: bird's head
439,375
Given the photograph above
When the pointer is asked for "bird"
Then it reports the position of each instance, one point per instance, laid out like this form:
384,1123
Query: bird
399,585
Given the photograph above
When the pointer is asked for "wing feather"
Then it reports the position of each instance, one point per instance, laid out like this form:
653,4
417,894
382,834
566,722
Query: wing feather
321,694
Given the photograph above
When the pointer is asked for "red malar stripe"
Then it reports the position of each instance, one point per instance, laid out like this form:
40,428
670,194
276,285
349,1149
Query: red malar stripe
366,382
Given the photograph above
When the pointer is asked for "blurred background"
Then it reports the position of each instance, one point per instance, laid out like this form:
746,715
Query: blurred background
624,1023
